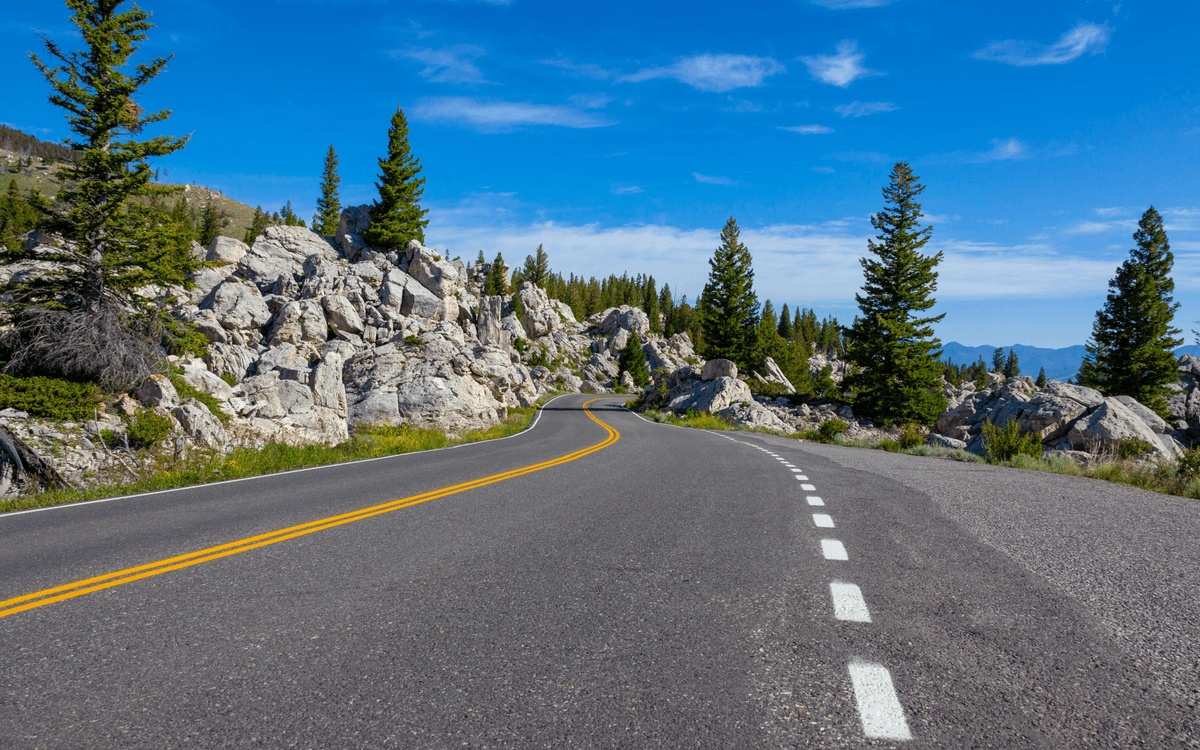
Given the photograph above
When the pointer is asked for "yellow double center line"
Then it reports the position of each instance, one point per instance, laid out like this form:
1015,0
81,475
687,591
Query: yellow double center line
87,586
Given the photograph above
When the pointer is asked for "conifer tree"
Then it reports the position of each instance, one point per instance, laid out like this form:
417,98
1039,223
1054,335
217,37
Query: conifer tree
329,206
897,379
649,305
517,308
289,217
1012,367
1130,353
785,323
258,225
84,318
633,360
480,259
998,360
17,216
1041,378
210,224
397,216
537,268
497,278
730,306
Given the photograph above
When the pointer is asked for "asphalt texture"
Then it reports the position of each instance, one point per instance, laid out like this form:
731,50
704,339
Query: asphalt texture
668,590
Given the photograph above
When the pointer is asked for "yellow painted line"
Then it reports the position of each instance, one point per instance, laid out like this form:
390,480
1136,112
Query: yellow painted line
98,583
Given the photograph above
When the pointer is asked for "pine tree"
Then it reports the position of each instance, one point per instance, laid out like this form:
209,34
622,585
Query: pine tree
289,217
397,216
17,216
649,305
329,207
497,278
480,259
210,225
998,360
85,319
730,306
517,308
1041,378
258,225
897,379
537,268
785,323
1012,367
633,361
1130,353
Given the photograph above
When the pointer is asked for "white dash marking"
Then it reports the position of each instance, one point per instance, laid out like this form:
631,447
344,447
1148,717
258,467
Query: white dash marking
833,550
806,487
823,520
814,500
797,471
848,602
878,707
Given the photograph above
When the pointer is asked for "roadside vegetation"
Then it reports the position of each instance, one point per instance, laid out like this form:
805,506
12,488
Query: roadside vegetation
1002,446
151,465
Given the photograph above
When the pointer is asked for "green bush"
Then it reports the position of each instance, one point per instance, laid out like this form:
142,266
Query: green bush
831,429
50,398
910,437
1004,443
539,358
1188,466
414,340
186,391
520,344
891,446
770,390
229,379
1132,448
146,429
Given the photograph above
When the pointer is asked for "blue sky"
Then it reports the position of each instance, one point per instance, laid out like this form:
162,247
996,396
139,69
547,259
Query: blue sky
622,135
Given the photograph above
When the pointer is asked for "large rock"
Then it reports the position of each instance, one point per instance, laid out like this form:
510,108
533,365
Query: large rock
237,305
353,222
489,322
775,375
157,390
837,368
206,382
718,368
229,359
1146,414
1089,397
269,266
1047,416
754,416
299,242
200,424
540,316
1111,422
436,274
625,317
712,396
340,314
300,321
226,250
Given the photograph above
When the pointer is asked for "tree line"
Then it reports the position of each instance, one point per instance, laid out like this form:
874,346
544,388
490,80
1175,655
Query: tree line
25,144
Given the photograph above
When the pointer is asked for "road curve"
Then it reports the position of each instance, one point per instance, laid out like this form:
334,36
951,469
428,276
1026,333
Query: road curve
665,587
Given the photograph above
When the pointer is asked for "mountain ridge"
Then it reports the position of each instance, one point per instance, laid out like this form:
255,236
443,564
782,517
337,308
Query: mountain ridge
1060,364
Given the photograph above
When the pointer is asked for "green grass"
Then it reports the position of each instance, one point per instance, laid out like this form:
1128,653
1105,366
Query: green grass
202,467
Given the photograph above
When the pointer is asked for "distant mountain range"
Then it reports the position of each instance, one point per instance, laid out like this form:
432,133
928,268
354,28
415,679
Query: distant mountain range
1060,364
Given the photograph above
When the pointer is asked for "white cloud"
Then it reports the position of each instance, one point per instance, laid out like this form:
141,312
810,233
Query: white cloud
1115,211
841,69
862,109
1083,38
807,129
586,70
626,189
713,180
743,105
497,116
713,72
454,64
1003,150
590,101
823,170
844,4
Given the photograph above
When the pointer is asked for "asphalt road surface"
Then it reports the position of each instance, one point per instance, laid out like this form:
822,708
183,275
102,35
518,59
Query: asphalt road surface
632,585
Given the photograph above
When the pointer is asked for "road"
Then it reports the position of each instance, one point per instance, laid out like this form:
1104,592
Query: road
606,582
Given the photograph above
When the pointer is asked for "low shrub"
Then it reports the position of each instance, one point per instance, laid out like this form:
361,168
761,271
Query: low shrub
891,446
828,431
50,398
1187,467
1132,448
910,437
1003,443
414,340
186,391
147,429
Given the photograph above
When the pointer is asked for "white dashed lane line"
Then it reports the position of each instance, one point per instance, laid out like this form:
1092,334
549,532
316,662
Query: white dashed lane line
848,602
878,707
833,550
814,500
823,520
806,487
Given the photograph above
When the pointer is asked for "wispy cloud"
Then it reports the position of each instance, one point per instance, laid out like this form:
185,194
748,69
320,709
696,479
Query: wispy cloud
1085,37
862,157
1114,211
713,72
711,180
807,129
823,170
585,70
626,189
862,109
498,116
840,69
590,101
1002,150
743,105
455,64
844,4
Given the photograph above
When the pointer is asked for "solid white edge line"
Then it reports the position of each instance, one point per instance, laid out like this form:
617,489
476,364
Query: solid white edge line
848,603
878,707
823,520
537,417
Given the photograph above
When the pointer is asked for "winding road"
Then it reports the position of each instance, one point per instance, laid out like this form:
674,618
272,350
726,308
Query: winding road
601,581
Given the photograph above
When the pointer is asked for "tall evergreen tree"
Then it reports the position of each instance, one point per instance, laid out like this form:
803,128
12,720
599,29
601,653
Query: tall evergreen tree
633,360
17,216
649,305
1041,378
329,206
84,318
998,360
397,216
258,225
1130,353
497,278
730,306
897,378
210,224
537,268
785,323
1012,366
